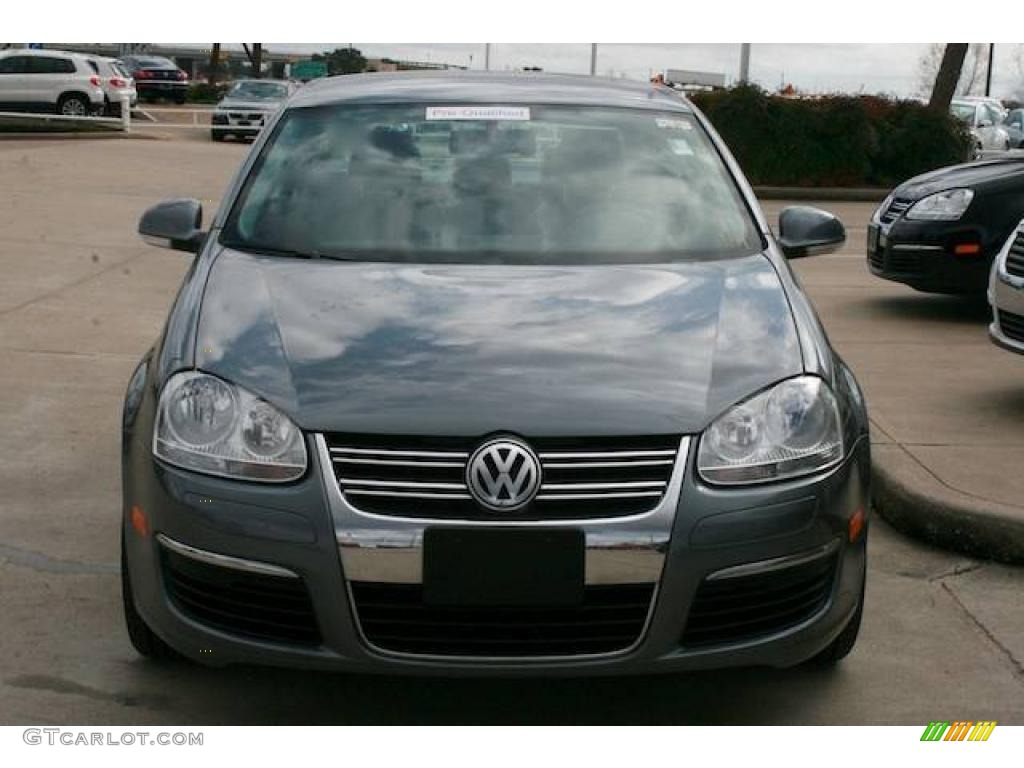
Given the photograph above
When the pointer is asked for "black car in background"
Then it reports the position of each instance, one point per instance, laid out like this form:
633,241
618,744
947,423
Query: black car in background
157,77
939,232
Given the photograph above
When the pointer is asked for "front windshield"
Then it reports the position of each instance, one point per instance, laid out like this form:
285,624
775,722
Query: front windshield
534,184
257,90
964,112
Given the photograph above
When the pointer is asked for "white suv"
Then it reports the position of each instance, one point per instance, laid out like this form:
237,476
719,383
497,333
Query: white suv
49,81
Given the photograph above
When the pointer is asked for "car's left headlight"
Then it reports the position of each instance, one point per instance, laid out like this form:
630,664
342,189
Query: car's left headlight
790,430
949,205
206,424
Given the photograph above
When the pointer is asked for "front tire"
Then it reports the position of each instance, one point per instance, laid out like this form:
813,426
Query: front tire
73,105
144,640
218,135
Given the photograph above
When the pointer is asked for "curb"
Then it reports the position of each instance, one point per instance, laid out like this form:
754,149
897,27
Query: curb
84,135
851,194
914,502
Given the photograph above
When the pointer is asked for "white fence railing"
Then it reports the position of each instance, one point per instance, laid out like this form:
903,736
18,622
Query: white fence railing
123,122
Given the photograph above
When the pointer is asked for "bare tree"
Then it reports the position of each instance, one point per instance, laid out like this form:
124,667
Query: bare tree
948,75
255,57
214,64
971,80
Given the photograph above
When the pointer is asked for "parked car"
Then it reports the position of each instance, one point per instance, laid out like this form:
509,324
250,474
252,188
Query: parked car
1013,124
516,406
993,102
49,81
985,124
117,84
1006,294
157,77
246,106
939,232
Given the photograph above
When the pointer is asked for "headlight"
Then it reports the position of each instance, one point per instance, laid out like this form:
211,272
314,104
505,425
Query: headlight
884,206
789,430
208,425
942,206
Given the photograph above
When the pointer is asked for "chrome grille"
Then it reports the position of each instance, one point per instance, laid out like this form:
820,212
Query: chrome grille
425,477
896,209
1015,256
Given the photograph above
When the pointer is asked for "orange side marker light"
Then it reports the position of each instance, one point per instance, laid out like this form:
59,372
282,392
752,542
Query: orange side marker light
857,525
967,249
139,521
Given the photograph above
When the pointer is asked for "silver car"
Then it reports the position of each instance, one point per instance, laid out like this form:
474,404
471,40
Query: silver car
983,121
246,107
1006,294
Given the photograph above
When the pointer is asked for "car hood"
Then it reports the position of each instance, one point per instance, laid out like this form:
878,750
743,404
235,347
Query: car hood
472,349
966,175
256,105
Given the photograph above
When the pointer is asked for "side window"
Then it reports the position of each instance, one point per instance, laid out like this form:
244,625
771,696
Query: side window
51,65
14,65
94,66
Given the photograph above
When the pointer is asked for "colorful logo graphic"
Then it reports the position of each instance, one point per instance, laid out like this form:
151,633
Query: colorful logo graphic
961,730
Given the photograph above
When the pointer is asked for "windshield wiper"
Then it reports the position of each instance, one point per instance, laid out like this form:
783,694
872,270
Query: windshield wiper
266,250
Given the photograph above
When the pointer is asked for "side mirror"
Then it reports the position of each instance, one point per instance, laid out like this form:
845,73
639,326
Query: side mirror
805,231
174,224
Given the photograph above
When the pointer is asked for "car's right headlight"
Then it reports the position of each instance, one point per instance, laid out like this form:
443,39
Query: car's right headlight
948,205
790,430
206,424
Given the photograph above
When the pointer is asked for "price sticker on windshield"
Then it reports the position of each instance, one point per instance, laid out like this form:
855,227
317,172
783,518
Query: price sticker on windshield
478,113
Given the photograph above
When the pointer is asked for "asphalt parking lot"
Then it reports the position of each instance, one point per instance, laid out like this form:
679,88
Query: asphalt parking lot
82,298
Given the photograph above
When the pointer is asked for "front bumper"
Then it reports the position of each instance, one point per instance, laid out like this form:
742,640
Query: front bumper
306,529
1006,295
238,123
921,254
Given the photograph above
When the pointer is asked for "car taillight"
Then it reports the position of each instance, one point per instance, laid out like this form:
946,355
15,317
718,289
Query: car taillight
95,80
182,75
117,82
143,75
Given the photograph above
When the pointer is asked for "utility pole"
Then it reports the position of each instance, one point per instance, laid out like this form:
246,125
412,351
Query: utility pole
988,76
593,58
744,63
487,56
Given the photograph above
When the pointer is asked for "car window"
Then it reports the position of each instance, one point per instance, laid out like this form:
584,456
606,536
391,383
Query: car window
117,69
155,63
94,66
964,112
252,89
49,65
491,183
14,65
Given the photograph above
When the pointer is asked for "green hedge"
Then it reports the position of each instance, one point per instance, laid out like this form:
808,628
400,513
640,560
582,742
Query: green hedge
832,141
204,93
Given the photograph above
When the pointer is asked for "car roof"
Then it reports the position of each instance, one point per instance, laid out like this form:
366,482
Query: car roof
489,87
41,52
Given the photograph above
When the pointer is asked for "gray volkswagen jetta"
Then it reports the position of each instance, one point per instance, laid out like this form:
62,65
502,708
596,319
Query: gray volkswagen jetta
493,374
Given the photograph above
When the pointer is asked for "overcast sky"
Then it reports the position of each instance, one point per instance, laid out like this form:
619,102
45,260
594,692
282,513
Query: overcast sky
874,68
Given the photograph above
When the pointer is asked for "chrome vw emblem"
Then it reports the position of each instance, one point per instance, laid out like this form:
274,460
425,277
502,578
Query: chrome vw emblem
503,474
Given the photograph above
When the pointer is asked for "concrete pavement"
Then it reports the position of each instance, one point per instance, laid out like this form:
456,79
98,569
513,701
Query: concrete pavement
81,300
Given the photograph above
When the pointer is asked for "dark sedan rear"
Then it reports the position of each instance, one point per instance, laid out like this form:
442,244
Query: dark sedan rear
939,232
157,77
